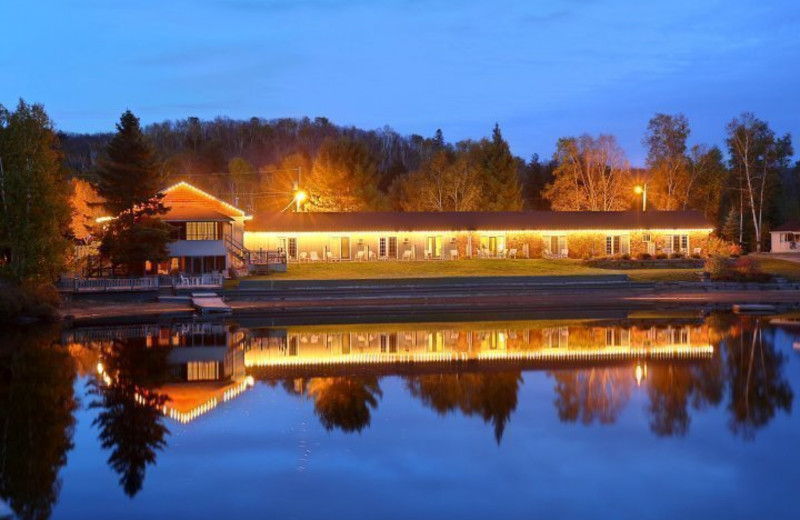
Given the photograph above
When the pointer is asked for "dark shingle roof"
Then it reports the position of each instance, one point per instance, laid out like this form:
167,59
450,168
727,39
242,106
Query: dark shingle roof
792,225
476,221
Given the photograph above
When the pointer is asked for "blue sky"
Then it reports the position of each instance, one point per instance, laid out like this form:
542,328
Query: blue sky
541,69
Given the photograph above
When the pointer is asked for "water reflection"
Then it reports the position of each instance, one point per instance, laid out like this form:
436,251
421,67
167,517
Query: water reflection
755,374
130,417
36,419
491,396
144,378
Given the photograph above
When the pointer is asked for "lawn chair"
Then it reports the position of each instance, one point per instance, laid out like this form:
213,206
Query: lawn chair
314,256
331,257
407,255
564,253
454,254
359,256
482,253
304,256
372,255
512,253
697,251
502,254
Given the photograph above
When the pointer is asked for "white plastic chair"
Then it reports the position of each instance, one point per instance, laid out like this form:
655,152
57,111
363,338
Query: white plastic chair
314,256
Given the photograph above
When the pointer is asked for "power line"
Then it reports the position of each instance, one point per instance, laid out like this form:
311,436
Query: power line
257,172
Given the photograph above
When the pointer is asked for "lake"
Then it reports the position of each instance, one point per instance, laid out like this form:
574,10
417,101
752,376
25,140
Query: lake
627,415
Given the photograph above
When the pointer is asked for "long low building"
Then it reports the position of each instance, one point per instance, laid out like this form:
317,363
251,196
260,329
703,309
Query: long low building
456,235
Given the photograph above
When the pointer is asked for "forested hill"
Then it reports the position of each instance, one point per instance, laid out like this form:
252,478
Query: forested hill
258,165
238,160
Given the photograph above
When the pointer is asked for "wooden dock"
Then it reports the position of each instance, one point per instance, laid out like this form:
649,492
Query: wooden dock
209,302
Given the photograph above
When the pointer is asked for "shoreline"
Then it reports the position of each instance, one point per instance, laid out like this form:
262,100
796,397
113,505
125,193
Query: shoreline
410,300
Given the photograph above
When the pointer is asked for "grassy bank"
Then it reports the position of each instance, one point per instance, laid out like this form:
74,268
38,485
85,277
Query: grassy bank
466,268
495,267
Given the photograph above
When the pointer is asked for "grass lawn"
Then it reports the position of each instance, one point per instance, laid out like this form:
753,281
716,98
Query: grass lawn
473,267
779,267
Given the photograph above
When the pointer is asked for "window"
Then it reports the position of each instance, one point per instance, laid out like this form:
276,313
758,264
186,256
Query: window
387,247
788,237
618,244
678,243
340,247
388,343
202,231
618,337
555,245
202,370
288,246
434,248
493,244
646,237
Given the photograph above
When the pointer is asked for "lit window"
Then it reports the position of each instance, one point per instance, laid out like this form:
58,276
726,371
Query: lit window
202,231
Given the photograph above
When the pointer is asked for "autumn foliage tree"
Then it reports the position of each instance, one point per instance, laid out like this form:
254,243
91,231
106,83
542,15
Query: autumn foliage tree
670,174
592,174
34,197
343,178
446,182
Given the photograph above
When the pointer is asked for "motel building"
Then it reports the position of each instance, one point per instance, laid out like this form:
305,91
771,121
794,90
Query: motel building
212,235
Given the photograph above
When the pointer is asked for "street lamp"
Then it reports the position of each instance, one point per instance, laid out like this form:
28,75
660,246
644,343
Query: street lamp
641,189
299,197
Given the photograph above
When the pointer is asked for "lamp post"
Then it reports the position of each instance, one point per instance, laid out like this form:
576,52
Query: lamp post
299,197
641,189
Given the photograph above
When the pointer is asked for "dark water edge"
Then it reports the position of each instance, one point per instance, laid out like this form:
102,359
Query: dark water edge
632,415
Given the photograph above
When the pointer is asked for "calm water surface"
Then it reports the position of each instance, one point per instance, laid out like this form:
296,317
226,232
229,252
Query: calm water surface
634,416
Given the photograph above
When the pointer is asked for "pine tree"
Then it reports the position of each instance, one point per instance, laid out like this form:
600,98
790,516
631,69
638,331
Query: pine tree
502,188
34,196
128,179
129,182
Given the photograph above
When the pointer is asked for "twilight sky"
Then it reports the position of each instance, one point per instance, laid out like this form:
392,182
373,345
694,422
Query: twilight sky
542,69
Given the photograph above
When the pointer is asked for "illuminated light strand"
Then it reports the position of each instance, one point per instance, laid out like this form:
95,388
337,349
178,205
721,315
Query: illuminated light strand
439,357
206,195
197,411
281,234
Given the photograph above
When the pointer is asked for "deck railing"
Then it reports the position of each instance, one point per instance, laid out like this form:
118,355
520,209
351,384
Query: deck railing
146,283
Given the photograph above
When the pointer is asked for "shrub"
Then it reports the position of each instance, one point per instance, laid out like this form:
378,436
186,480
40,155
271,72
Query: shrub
697,256
744,269
676,255
661,256
626,256
644,256
717,267
38,302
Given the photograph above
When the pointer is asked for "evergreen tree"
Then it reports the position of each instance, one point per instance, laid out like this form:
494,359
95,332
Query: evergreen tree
502,188
129,182
128,178
34,196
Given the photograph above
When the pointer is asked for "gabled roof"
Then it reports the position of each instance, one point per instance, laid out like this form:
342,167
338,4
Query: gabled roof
792,225
184,202
478,221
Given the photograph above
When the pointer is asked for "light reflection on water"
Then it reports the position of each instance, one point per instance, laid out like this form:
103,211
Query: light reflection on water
143,394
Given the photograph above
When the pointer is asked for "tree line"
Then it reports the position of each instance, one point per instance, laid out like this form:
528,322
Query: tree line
258,164
742,189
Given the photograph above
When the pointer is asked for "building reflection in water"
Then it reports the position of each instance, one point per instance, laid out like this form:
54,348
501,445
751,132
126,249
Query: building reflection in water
146,375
